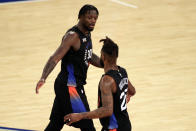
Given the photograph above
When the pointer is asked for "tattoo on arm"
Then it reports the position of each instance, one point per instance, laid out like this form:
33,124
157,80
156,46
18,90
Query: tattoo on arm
48,68
67,42
107,102
95,60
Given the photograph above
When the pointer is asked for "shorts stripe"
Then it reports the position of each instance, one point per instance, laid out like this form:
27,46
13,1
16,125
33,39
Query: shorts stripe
112,129
76,102
113,122
71,77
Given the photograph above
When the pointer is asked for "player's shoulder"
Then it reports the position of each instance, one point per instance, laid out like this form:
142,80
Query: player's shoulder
122,69
108,83
107,79
71,36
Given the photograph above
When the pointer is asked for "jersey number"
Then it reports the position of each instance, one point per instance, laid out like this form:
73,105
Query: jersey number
123,98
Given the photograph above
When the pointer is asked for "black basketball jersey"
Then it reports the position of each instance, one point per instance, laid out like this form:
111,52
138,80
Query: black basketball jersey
74,64
120,118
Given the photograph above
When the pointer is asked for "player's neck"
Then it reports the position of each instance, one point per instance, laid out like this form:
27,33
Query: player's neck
108,67
82,29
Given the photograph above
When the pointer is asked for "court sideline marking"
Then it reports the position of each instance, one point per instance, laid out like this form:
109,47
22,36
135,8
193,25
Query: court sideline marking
24,1
13,129
124,3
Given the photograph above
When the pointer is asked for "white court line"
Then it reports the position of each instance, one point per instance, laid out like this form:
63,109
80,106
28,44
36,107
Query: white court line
16,2
123,3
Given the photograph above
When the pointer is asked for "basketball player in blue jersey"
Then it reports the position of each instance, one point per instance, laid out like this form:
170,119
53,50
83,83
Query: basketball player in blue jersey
75,53
114,92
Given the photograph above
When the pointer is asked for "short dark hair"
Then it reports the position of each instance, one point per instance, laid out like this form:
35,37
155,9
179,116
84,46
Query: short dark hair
87,8
109,47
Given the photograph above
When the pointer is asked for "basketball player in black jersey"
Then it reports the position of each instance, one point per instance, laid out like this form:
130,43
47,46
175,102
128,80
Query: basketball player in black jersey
75,53
114,92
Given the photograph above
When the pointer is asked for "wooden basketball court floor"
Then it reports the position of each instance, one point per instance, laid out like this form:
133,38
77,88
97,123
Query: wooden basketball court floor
157,41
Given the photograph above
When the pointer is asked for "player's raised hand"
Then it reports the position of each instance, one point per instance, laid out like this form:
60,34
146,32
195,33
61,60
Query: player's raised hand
40,83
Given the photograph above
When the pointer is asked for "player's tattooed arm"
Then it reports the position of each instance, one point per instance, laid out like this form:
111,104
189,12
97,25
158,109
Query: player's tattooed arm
48,68
68,40
71,39
96,61
106,87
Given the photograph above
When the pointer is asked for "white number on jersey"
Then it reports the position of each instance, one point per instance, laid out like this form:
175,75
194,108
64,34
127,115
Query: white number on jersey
123,98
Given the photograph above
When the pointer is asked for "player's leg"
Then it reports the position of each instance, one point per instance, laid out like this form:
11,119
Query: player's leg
88,122
88,129
54,125
61,106
80,104
125,127
110,129
76,100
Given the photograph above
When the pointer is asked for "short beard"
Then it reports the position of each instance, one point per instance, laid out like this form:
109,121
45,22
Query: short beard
85,27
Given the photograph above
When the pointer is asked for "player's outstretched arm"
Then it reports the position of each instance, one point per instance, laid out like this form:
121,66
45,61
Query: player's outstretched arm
95,60
68,40
106,86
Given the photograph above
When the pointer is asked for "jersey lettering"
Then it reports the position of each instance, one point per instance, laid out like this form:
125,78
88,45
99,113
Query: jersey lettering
123,82
87,56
